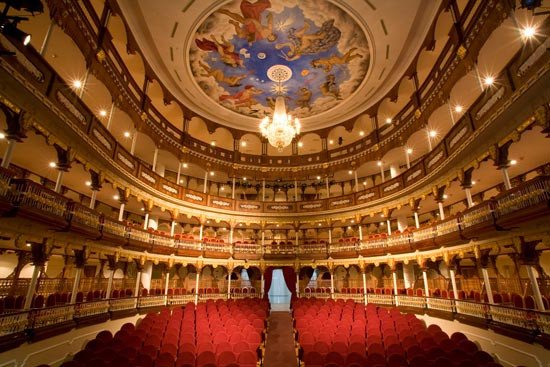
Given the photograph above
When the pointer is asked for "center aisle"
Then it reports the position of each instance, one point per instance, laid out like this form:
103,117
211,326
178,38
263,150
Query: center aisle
279,350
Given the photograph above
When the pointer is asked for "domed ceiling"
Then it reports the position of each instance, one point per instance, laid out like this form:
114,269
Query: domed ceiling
310,51
228,60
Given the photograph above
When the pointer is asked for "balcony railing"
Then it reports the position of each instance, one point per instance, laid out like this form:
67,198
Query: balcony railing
524,202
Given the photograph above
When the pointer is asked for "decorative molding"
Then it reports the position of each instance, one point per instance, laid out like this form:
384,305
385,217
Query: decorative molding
221,203
24,61
70,107
490,103
535,56
435,159
391,187
193,197
458,136
414,175
148,177
170,189
126,161
102,139
340,202
366,196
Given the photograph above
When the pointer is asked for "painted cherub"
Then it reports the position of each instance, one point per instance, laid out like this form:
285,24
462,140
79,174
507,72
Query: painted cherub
328,63
225,49
220,77
302,43
329,87
304,98
248,25
243,98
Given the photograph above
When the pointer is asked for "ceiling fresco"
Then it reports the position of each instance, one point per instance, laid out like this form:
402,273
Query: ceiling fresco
248,52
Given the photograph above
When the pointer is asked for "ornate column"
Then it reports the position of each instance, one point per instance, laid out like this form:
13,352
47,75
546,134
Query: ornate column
363,269
123,195
423,264
382,174
327,186
484,262
139,268
408,152
415,207
393,268
111,265
466,184
39,256
331,270
452,265
64,158
96,180
15,132
173,217
198,266
155,158
229,273
440,196
134,141
79,261
529,257
501,161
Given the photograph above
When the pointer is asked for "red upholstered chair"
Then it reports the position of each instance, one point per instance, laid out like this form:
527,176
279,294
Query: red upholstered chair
313,359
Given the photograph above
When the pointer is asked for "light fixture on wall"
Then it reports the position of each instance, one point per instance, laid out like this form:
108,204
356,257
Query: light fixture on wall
282,127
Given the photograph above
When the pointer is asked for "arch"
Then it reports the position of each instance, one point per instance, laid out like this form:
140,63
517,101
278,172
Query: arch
311,144
171,111
223,138
250,144
98,99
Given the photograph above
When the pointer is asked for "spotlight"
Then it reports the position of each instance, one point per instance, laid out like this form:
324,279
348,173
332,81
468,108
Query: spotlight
116,197
102,113
185,165
513,162
361,133
318,177
11,31
2,136
126,134
213,143
243,143
530,4
244,178
432,133
379,163
52,164
388,120
300,144
211,173
528,32
77,84
350,172
458,108
331,141
88,183
409,151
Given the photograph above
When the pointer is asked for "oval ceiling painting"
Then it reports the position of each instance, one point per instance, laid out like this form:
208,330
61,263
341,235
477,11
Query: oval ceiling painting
311,52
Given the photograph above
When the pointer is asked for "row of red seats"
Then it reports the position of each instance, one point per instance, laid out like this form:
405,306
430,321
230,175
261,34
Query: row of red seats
353,335
220,333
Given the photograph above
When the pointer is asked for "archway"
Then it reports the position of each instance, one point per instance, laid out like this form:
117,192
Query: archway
280,284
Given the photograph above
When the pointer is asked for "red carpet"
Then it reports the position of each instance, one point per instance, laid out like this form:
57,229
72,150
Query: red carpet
280,350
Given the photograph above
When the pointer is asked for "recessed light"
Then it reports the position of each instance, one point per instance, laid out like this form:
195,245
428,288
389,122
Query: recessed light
528,32
350,172
52,164
29,245
185,165
458,108
102,113
331,141
244,178
243,143
116,197
445,196
181,181
213,143
77,84
361,133
388,120
300,144
126,134
142,209
489,80
2,136
222,188
318,177
211,173
382,223
513,162
319,224
88,183
365,183
473,182
432,133
409,151
379,163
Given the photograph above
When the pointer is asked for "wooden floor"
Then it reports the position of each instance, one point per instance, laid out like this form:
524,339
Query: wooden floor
280,350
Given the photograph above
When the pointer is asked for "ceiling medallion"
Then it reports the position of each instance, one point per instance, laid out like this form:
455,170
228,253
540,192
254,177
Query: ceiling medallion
320,47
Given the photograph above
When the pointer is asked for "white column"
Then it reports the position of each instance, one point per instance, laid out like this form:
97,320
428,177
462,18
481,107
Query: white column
138,284
59,181
263,242
329,235
146,221
229,283
110,284
327,187
233,189
84,82
356,188
451,111
416,220
6,160
426,288
360,232
172,228
178,177
205,182
441,210
295,190
110,118
407,159
429,142
506,177
166,283
262,286
388,224
365,287
298,285
381,165
487,285
263,190
197,287
231,235
469,197
331,285
394,275
535,287
394,171
76,284
453,282
200,232
46,41
155,158
93,199
134,140
32,286
121,212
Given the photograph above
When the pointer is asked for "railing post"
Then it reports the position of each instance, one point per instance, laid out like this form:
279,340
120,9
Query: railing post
453,282
32,286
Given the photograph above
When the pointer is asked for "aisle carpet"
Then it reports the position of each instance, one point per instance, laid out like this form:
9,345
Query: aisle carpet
280,341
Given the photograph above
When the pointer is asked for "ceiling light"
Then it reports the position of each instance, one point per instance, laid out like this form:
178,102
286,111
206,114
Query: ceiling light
473,182
244,178
489,80
243,143
445,196
222,188
213,143
211,173
300,144
29,245
349,227
240,224
528,32
116,197
185,165
52,164
432,133
318,177
181,181
382,223
77,84
458,108
2,136
281,128
319,224
11,30
277,226
388,120
127,134
361,133
365,183
88,183
350,172
142,209
513,162
102,113
409,150
207,222
353,221
379,163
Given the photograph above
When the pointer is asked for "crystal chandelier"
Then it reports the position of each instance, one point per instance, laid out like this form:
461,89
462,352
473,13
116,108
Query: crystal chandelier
282,128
